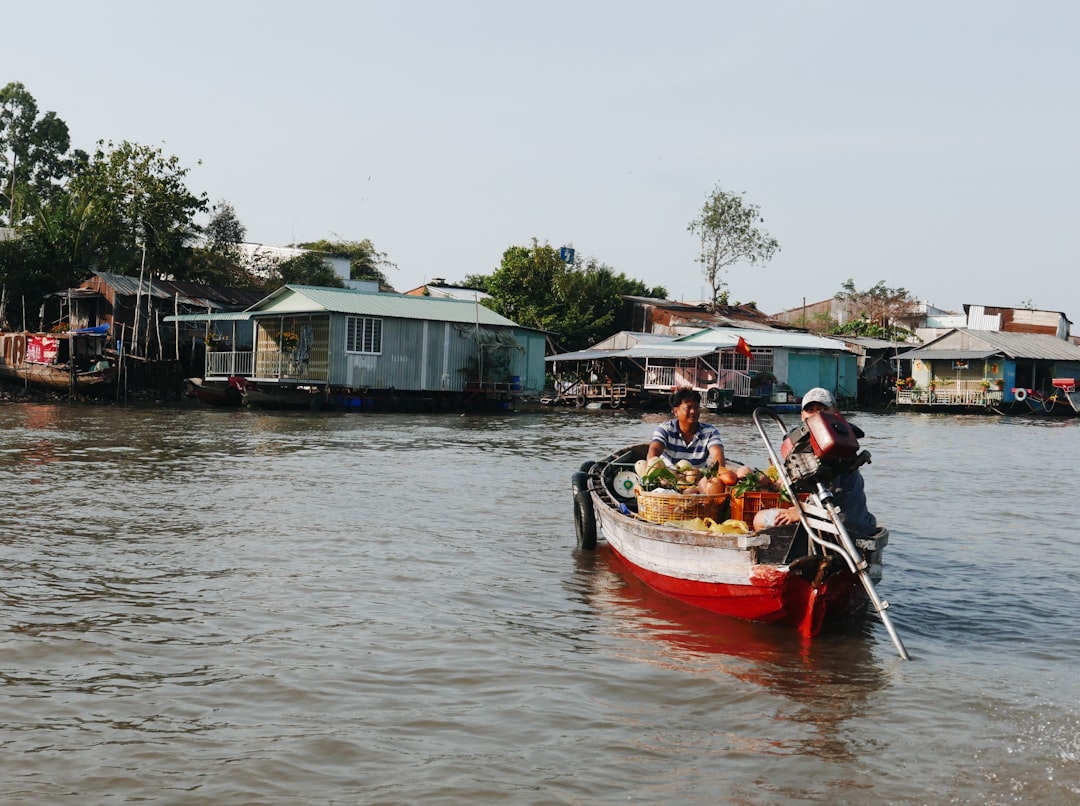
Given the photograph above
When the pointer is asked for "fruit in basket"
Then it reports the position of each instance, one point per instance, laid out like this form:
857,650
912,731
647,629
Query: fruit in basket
728,477
713,486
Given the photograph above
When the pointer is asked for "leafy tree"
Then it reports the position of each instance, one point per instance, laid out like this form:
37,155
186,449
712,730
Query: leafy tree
55,249
728,229
218,261
578,302
224,232
140,208
879,312
477,282
365,261
307,269
34,158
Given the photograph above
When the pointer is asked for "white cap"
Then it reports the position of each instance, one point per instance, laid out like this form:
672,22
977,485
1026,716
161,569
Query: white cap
819,395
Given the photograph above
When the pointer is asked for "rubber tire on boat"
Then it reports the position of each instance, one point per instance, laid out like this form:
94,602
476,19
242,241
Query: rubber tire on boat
712,397
584,521
580,401
1020,394
579,481
586,466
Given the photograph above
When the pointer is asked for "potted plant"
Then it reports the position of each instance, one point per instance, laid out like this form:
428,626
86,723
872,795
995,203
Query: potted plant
288,341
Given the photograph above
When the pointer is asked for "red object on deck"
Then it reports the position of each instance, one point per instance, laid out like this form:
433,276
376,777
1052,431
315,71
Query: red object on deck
1065,384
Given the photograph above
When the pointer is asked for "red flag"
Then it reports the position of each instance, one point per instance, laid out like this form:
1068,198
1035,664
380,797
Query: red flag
742,348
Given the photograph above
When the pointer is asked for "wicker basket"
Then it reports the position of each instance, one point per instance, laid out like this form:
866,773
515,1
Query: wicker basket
664,508
744,508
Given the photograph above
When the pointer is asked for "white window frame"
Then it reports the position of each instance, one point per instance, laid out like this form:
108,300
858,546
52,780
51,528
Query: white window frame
363,335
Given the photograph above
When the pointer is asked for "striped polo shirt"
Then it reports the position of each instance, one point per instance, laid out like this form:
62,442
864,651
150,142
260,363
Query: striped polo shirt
676,449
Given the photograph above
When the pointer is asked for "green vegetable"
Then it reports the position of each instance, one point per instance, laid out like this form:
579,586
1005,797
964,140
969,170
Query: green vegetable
750,483
659,475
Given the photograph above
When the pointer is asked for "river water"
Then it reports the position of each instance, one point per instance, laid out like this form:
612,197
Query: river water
235,607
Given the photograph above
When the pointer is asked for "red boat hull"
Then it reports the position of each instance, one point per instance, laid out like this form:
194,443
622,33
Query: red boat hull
774,595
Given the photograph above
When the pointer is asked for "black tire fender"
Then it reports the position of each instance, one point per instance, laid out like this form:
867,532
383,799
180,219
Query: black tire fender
587,466
584,520
579,482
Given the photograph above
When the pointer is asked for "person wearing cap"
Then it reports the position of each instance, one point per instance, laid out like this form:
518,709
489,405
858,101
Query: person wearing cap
849,493
685,436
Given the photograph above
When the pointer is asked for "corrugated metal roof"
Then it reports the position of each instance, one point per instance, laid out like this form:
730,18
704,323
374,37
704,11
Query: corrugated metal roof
640,351
227,316
584,355
308,299
729,337
869,343
925,354
191,294
982,343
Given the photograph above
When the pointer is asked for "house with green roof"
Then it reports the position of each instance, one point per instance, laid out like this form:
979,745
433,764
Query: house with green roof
369,349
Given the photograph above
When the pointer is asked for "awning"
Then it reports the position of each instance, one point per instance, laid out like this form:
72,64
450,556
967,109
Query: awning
226,316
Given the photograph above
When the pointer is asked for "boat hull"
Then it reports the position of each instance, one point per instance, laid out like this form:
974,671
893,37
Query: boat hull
721,574
213,393
59,379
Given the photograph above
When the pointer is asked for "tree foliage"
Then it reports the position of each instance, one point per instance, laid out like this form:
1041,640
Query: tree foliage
579,302
365,261
219,260
141,208
879,312
729,233
309,268
34,155
477,282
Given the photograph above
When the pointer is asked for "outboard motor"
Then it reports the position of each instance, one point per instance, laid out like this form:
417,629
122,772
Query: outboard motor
823,446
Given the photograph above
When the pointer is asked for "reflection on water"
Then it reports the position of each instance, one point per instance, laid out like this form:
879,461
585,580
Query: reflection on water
829,678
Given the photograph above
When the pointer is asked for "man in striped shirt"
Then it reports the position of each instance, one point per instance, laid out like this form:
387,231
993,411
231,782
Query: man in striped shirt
685,437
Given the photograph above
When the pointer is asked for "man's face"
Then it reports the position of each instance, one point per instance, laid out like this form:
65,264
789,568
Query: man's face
812,408
688,410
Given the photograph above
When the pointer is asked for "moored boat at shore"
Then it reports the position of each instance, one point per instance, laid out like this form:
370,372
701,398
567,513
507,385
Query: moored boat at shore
215,393
70,360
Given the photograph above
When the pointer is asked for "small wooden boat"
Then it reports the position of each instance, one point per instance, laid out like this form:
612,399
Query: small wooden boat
69,361
1065,399
214,393
282,396
803,575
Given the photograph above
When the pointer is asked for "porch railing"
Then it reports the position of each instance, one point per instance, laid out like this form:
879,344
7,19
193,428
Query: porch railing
668,378
223,364
950,393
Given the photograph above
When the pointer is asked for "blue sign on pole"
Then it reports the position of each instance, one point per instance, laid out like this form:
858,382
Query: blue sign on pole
566,254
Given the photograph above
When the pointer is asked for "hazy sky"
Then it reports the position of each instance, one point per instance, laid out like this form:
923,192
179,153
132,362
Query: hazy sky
927,145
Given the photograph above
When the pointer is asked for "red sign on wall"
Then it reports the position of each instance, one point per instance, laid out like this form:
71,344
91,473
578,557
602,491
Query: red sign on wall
41,349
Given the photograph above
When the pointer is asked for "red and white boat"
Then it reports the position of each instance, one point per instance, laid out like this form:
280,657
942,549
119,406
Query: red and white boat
802,575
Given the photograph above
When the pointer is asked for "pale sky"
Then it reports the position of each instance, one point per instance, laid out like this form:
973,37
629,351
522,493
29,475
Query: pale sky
927,145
